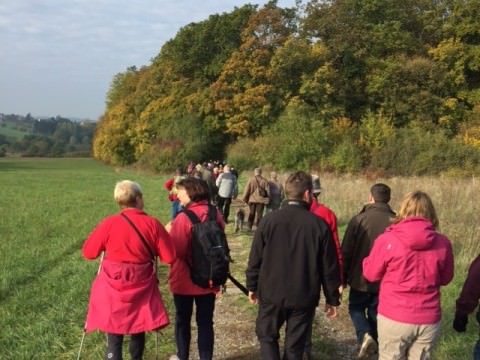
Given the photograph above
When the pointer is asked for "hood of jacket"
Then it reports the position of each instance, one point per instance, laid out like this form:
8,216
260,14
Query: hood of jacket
416,233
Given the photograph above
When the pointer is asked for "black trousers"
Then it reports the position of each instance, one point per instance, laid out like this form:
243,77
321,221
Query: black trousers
205,305
269,321
255,214
115,342
223,205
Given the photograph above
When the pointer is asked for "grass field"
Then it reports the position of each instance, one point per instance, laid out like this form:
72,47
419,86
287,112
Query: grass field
11,132
49,206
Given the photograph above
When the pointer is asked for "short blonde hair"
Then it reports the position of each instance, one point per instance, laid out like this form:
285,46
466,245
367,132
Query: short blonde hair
417,203
126,193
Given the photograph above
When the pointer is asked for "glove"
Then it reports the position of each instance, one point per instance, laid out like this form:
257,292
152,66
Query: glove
460,323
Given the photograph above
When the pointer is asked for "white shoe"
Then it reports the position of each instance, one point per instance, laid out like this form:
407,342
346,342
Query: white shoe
369,347
173,357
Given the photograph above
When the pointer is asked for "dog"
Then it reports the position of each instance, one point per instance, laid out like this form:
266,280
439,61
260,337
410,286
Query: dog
239,219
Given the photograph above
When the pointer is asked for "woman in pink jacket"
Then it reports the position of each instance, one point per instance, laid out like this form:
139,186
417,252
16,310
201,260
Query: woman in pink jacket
411,260
125,298
193,195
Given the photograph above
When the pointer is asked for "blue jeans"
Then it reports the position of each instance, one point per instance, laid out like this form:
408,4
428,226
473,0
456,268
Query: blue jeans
362,307
476,351
205,305
176,208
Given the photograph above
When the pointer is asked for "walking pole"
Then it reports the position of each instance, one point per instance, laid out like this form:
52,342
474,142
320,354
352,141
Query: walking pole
238,284
85,327
156,332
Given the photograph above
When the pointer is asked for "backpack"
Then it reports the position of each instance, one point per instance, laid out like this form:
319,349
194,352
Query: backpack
210,253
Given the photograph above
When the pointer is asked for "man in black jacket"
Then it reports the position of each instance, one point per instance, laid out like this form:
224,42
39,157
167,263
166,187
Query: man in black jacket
361,232
292,257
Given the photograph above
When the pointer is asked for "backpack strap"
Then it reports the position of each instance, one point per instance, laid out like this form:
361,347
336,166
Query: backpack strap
192,216
145,243
212,214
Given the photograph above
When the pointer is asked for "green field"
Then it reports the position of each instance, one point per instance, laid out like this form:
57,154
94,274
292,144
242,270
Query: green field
49,206
11,132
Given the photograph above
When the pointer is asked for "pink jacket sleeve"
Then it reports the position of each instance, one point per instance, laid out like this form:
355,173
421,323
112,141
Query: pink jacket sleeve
447,274
375,264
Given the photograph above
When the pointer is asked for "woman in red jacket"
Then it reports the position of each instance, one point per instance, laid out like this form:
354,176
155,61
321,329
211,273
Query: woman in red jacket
193,194
411,260
125,299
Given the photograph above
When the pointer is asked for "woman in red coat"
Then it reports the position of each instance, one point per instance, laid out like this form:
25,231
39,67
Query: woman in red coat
193,195
125,299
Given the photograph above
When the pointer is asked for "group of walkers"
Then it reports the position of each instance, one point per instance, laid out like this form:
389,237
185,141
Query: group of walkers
394,266
261,195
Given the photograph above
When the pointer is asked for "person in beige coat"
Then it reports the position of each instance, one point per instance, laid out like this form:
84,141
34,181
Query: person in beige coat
257,196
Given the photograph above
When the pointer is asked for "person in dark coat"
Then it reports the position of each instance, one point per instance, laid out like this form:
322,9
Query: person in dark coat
467,302
361,232
292,258
257,196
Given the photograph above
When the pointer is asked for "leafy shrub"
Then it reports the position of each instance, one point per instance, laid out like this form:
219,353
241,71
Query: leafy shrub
413,151
242,154
375,129
346,157
179,141
296,141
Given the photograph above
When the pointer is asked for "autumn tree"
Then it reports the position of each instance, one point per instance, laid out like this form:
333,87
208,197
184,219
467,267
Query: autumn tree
245,97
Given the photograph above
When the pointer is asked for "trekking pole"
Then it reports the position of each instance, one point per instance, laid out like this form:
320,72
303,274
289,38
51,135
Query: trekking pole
238,284
156,332
85,327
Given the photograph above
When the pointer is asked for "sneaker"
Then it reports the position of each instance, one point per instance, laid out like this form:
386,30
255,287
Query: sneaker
369,347
173,357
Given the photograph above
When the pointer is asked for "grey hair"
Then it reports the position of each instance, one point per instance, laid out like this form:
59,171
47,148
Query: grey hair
126,193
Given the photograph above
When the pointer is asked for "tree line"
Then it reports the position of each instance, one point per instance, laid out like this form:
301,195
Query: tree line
55,136
339,85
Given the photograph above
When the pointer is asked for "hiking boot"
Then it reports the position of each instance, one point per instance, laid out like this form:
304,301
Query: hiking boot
369,347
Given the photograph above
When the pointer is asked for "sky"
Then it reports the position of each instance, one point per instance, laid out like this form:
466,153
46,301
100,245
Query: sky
58,57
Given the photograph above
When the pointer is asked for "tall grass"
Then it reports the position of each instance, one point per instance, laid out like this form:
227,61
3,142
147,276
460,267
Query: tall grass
457,202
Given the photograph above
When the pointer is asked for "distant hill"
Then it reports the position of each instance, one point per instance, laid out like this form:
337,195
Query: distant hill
54,136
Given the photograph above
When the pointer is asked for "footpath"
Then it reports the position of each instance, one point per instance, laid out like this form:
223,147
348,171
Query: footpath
234,319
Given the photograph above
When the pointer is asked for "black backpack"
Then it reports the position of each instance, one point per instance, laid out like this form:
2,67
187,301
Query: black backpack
210,253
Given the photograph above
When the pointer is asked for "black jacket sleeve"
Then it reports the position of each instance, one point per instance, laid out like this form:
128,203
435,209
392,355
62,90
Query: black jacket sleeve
255,261
348,247
330,270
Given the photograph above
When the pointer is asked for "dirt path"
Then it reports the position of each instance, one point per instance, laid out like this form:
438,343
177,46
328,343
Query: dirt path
235,332
235,337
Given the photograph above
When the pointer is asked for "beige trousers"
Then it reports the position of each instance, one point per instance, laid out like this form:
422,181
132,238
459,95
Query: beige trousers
399,341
